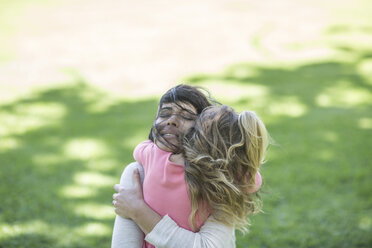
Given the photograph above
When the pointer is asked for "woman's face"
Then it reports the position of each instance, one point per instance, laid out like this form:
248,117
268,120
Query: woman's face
173,121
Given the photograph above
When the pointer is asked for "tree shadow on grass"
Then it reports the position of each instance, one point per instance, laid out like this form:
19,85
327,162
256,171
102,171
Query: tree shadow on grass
63,150
319,174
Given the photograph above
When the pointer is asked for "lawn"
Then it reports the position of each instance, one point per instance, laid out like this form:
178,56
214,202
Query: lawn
62,148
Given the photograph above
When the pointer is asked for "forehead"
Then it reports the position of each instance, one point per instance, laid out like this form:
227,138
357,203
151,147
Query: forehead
180,106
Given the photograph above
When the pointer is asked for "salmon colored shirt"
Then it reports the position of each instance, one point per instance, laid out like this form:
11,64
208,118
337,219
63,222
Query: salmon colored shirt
164,186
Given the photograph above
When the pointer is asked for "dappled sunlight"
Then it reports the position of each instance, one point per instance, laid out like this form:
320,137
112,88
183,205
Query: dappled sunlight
93,229
325,155
35,226
48,159
343,94
287,106
85,148
331,136
78,191
94,179
79,87
241,71
365,70
103,164
351,37
132,141
9,143
235,92
365,223
95,210
30,116
102,105
41,110
365,123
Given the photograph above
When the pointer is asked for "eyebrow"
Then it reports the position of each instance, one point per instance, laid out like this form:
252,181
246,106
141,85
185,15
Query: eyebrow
182,110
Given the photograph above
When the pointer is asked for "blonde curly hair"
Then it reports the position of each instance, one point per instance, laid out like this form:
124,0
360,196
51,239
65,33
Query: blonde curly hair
223,154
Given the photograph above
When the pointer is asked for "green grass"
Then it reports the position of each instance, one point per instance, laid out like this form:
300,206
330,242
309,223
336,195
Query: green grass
62,148
317,179
61,151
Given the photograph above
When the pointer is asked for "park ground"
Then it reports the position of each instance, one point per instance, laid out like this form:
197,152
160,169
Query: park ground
79,86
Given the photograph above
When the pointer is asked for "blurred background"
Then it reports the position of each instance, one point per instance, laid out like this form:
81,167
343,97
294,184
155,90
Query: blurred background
79,86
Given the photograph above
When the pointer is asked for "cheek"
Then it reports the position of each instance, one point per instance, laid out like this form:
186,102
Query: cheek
159,122
187,126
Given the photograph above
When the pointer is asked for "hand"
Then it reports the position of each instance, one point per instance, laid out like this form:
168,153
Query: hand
127,201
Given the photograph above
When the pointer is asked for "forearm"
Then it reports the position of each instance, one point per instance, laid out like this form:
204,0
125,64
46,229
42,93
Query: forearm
167,234
146,218
126,234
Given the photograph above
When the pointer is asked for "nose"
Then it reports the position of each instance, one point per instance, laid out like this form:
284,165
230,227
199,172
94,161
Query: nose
173,121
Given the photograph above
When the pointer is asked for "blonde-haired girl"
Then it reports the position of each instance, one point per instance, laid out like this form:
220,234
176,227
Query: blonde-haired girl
223,155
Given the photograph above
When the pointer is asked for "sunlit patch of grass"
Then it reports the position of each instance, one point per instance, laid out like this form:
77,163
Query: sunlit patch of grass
95,211
331,136
44,160
287,106
365,123
235,91
365,69
30,116
36,226
78,191
343,94
93,229
9,143
103,164
135,139
85,149
326,155
365,223
94,179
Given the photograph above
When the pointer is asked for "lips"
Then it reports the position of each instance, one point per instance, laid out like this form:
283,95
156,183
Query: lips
170,133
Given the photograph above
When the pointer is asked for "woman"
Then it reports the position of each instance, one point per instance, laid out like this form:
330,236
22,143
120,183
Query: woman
212,124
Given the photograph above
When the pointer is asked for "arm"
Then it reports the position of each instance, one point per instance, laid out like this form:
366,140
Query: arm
126,233
164,232
167,234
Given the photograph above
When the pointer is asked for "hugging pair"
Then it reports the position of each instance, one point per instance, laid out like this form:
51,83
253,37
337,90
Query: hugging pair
200,170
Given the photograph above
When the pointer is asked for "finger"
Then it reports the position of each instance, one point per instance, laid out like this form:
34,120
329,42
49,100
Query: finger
136,178
117,187
114,196
114,203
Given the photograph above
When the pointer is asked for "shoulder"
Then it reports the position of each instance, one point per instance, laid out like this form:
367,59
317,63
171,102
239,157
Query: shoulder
127,174
142,149
145,144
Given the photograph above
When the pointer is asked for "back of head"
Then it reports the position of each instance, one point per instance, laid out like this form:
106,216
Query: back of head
223,155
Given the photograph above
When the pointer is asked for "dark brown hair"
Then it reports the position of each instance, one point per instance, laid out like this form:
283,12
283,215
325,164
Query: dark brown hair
182,93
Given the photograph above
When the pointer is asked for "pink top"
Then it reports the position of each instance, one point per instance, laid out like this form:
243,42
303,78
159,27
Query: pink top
164,186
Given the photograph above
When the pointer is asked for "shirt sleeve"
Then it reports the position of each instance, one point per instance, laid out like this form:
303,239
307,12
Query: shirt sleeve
213,234
141,153
126,233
